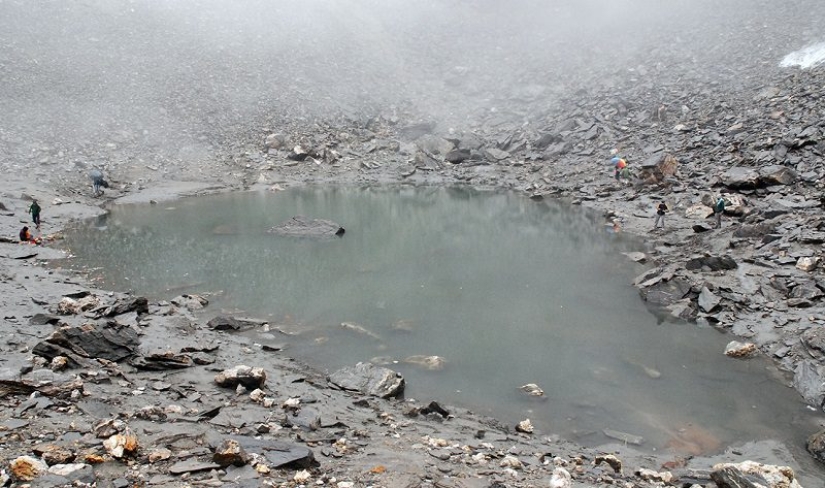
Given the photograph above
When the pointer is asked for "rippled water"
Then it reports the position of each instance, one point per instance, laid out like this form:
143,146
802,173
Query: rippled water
507,290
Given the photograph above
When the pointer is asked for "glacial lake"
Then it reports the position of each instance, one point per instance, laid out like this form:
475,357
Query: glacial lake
507,290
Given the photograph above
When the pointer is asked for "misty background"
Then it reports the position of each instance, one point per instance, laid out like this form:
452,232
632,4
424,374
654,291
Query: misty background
180,79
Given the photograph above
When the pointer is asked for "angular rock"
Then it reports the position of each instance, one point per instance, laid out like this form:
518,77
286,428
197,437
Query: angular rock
758,230
289,456
752,474
434,145
777,175
809,381
658,169
816,446
122,444
139,305
161,361
369,379
807,264
494,154
43,319
458,155
112,341
230,453
714,263
192,466
229,323
666,293
300,226
707,300
54,454
740,178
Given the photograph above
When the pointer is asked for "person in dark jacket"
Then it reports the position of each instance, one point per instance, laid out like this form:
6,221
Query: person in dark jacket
661,209
34,209
98,182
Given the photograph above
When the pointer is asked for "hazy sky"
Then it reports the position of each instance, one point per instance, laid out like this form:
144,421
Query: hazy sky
157,70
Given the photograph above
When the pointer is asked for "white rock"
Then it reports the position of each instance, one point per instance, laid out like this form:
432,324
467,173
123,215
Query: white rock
561,479
525,426
301,476
257,395
510,461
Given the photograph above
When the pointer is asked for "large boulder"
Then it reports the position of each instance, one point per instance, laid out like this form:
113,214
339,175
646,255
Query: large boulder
434,145
740,178
777,175
808,380
369,379
816,446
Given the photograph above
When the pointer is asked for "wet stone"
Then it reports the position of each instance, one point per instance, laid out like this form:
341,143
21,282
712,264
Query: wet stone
369,379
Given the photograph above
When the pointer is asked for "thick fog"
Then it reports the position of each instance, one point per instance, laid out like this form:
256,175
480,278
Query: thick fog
160,74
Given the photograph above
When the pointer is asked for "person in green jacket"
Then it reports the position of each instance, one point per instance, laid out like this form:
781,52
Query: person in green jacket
34,209
718,210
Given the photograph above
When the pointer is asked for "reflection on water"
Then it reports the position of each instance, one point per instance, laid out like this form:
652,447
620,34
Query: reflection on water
504,290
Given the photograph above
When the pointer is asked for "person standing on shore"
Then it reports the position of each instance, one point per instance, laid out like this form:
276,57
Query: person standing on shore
661,209
34,209
718,210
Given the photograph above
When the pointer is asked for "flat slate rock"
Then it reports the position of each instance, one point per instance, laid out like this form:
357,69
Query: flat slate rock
192,466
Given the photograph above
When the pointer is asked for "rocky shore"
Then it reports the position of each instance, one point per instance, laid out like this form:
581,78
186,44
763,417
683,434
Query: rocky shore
107,389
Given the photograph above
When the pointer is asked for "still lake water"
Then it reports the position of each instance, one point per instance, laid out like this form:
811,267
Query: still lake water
507,290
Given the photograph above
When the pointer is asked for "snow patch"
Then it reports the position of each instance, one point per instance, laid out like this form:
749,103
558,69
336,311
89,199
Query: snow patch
805,58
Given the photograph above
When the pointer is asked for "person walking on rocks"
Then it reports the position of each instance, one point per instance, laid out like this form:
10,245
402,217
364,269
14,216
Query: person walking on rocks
718,210
34,209
661,209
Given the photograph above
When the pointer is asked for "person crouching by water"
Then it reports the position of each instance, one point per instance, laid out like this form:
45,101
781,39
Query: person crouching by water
26,236
619,166
661,210
98,182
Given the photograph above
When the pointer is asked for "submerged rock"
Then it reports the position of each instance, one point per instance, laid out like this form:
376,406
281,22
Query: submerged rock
303,227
